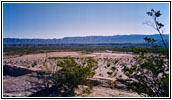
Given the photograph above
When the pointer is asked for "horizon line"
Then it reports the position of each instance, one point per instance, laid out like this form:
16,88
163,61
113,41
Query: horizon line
81,36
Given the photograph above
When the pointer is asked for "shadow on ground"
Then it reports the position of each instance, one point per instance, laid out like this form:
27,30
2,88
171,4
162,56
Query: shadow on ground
61,92
50,92
14,71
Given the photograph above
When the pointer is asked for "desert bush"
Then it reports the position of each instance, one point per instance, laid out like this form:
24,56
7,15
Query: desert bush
150,72
113,68
116,61
34,64
108,64
72,74
109,73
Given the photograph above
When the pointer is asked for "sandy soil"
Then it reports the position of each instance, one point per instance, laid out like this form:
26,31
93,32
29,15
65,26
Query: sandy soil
108,92
16,84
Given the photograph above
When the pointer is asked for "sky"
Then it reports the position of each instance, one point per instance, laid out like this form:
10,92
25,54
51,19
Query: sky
58,20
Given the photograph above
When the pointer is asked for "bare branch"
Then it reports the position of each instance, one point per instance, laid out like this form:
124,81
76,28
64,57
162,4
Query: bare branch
150,24
156,24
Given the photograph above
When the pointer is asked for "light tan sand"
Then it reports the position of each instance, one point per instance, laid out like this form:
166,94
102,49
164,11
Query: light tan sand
101,72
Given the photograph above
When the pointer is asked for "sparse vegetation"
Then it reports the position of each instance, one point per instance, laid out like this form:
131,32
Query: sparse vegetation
72,74
110,73
63,57
113,69
11,51
108,65
149,74
69,68
34,64
116,61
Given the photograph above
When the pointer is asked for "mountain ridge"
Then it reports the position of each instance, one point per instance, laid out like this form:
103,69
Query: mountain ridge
87,39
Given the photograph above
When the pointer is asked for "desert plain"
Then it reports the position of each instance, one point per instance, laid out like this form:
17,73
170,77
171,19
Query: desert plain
17,70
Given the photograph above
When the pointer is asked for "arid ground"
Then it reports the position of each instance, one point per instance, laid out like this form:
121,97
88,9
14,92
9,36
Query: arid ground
19,70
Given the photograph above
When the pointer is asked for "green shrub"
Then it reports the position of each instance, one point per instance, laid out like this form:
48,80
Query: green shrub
72,74
34,64
149,70
108,65
116,61
109,73
113,68
150,73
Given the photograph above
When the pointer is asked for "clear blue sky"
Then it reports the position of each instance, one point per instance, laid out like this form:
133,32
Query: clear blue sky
57,20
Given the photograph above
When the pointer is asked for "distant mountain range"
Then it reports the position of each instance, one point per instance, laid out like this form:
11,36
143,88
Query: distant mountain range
88,40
